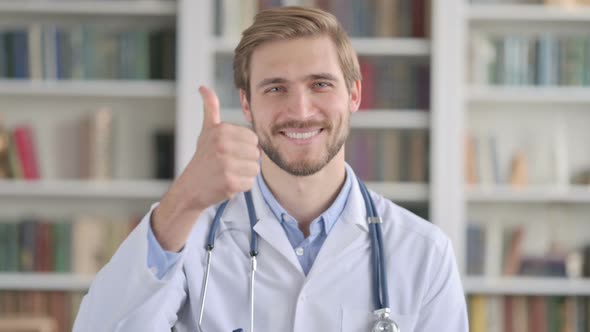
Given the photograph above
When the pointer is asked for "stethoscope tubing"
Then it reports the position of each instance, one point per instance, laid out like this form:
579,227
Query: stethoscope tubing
380,287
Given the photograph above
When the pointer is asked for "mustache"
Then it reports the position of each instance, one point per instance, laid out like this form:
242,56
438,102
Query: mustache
300,125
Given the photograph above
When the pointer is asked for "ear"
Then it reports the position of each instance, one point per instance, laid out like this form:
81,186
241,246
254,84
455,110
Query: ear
355,96
245,106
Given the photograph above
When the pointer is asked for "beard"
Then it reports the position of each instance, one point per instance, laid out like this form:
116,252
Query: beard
304,166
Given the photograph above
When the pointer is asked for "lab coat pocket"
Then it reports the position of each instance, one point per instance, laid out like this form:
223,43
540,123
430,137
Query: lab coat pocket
356,319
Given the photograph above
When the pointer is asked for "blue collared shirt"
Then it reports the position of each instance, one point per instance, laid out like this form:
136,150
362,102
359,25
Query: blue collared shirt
306,249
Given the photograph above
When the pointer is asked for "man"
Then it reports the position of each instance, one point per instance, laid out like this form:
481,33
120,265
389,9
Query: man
299,81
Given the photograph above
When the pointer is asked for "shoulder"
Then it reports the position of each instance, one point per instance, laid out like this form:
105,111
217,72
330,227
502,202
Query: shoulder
403,227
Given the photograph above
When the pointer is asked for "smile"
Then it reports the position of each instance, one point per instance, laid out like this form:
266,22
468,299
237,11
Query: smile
306,135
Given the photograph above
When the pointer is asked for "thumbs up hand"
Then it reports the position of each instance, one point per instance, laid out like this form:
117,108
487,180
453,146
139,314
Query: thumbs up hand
226,160
224,164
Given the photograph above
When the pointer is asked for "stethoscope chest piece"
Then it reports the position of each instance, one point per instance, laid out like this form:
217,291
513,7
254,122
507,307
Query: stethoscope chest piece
383,322
385,325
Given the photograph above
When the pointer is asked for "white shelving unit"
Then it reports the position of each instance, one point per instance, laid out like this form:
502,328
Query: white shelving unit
111,89
530,95
401,192
45,281
527,286
479,104
536,194
81,189
139,107
499,13
92,8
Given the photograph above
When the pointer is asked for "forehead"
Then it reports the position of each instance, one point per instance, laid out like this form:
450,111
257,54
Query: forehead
295,58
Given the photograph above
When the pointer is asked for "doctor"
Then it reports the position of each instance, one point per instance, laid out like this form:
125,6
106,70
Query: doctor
299,81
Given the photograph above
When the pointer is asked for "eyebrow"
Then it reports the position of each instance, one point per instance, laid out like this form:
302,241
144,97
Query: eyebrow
280,80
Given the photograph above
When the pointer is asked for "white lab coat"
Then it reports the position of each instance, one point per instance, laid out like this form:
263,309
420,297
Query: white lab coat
424,285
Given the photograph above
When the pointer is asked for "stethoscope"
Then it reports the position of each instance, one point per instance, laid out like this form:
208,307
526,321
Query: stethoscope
380,291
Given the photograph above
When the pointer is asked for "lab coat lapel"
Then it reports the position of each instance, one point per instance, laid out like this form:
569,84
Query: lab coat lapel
267,227
349,229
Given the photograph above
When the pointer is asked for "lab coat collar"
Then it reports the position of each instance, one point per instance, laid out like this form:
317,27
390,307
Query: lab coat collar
267,227
350,226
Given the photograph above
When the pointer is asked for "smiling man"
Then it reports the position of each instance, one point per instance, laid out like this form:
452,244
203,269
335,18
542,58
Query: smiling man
299,243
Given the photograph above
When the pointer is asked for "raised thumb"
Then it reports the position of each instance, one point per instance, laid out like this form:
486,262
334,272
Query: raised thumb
211,115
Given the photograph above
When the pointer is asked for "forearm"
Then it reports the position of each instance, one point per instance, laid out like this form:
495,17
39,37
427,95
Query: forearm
173,220
126,285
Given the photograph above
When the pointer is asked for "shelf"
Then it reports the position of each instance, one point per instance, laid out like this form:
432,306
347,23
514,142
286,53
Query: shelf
391,119
363,46
382,119
526,286
44,281
528,13
532,94
103,88
401,191
93,8
116,189
534,194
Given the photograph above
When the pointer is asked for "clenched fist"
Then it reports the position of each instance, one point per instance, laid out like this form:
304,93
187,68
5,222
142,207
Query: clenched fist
225,163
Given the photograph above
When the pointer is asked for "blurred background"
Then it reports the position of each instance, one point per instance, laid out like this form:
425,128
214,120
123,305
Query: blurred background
475,115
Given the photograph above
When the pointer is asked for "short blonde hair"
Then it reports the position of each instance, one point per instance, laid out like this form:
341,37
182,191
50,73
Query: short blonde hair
286,23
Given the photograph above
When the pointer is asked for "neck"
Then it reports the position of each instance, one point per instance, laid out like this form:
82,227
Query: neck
305,197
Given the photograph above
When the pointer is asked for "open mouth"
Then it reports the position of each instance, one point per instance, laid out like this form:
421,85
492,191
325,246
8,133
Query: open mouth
302,135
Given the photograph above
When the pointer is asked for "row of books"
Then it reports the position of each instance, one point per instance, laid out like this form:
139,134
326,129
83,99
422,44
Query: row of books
389,155
543,60
85,149
528,313
493,159
370,18
82,52
82,245
57,308
388,83
399,83
19,155
494,249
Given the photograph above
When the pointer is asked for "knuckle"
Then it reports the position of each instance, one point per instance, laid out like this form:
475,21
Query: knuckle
254,138
255,169
232,185
221,146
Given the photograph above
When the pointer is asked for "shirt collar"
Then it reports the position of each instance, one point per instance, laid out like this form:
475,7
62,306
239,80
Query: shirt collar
329,216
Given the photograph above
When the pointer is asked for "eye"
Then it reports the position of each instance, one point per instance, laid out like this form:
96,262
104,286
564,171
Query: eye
274,89
321,85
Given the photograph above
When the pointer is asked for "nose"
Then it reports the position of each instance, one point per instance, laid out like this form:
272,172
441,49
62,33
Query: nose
300,104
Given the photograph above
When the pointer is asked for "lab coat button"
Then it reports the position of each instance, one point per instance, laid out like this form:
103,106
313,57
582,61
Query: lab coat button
299,251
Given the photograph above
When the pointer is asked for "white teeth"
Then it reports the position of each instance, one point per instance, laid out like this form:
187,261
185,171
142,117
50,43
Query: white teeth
302,135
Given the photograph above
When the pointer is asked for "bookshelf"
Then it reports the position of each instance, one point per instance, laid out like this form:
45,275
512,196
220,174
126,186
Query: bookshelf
534,221
64,202
456,105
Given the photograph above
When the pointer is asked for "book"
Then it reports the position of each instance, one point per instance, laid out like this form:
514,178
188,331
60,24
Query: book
26,151
97,148
22,323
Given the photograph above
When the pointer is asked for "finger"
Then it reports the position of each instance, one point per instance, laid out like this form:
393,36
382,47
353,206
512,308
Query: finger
237,133
211,115
243,152
246,135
